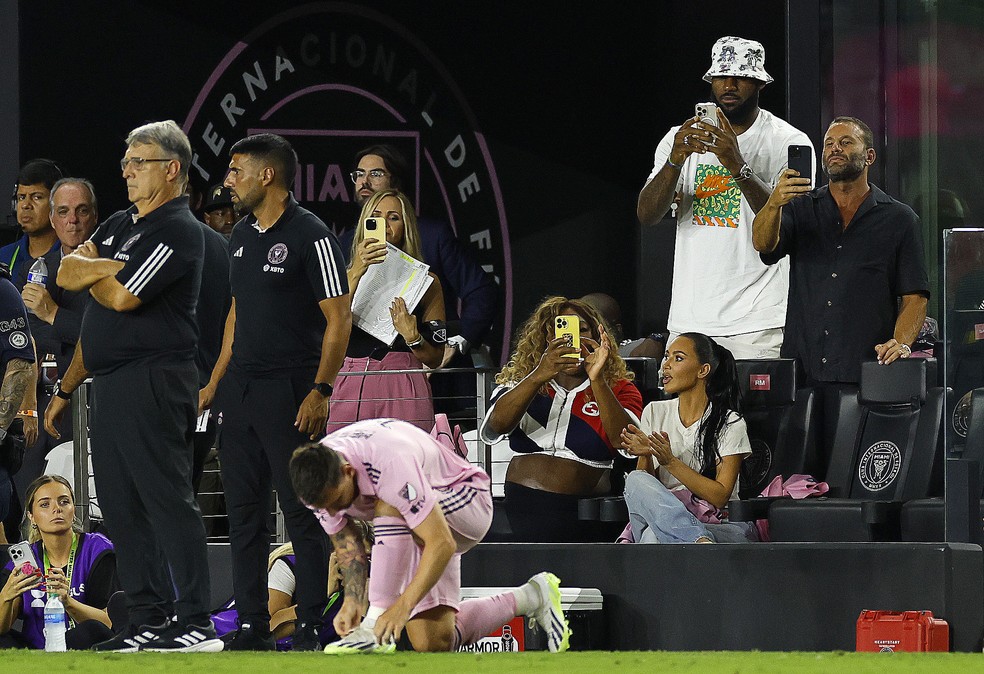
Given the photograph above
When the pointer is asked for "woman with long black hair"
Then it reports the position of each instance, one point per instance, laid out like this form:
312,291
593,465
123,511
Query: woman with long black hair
689,450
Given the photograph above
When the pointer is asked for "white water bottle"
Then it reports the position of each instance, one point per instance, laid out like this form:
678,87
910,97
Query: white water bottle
38,272
54,624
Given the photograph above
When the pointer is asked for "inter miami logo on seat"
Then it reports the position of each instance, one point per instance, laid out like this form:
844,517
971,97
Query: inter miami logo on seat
879,466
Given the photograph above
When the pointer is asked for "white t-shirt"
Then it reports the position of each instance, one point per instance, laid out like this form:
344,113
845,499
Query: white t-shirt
720,286
664,416
281,577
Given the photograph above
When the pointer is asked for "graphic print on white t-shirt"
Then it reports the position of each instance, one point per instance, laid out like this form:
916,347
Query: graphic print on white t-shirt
717,199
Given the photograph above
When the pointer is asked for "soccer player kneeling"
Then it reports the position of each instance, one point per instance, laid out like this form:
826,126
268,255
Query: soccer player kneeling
428,506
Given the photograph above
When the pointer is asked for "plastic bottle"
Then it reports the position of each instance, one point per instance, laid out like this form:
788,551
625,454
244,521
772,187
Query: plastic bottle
54,624
38,272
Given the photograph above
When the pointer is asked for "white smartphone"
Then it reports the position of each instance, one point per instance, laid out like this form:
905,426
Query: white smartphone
706,113
23,558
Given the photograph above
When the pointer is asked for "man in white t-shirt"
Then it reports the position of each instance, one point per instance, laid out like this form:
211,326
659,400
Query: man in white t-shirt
719,177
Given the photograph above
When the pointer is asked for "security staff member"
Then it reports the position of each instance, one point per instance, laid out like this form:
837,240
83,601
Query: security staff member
143,267
284,342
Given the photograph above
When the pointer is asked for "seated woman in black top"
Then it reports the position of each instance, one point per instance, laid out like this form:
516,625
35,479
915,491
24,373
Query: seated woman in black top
79,567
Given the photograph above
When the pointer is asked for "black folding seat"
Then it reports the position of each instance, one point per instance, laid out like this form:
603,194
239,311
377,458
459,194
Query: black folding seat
923,519
648,373
780,418
890,460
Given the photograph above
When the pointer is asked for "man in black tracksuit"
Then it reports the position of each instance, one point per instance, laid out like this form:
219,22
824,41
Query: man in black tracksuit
283,345
143,267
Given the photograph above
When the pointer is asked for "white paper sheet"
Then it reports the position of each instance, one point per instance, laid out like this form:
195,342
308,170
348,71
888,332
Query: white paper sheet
398,275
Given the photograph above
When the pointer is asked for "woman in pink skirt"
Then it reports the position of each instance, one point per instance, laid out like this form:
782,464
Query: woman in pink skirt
404,395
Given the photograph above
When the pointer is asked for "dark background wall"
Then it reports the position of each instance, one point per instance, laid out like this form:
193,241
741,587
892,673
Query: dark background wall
572,99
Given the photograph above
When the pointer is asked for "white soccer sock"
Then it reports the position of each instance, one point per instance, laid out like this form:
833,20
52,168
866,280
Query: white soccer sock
527,598
372,615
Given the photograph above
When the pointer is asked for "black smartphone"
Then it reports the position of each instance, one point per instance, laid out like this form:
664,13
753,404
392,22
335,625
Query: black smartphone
800,158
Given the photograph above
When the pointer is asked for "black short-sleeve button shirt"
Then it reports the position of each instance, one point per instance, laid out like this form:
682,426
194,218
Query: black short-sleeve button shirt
844,284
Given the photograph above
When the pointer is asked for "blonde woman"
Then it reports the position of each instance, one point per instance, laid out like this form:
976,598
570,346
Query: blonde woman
407,395
80,568
563,416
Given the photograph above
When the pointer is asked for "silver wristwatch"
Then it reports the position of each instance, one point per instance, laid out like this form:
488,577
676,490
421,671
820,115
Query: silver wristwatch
744,173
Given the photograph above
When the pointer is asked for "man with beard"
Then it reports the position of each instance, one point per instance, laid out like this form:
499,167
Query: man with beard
383,167
719,177
284,341
854,250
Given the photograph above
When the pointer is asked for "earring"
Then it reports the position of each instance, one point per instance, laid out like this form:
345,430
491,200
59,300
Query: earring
34,526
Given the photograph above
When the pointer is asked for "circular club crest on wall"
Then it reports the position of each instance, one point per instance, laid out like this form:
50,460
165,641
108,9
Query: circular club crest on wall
879,465
334,78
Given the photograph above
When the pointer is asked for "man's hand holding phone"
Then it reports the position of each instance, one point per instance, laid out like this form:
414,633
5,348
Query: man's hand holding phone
788,188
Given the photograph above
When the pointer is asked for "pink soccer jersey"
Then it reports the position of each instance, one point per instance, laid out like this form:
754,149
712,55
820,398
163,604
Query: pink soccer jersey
406,468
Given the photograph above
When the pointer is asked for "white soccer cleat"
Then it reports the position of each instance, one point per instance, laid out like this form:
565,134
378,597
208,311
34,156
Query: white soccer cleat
549,614
361,640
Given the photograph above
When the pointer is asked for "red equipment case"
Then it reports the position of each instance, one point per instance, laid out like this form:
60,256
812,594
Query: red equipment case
911,631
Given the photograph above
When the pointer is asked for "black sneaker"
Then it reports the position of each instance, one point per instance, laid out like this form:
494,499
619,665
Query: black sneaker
131,639
178,638
249,637
306,638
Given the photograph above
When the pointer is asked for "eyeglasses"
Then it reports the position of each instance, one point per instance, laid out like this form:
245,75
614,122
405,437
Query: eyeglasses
374,175
138,162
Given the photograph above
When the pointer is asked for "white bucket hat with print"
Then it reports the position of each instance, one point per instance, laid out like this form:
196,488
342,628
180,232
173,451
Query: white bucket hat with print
738,57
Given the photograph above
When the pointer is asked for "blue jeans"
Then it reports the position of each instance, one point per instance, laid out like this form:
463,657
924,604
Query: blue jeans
657,516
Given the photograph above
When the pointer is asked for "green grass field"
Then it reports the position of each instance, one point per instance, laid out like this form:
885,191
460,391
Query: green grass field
519,663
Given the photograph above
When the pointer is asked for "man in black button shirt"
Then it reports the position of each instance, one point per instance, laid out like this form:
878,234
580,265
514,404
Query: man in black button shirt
284,342
854,252
143,267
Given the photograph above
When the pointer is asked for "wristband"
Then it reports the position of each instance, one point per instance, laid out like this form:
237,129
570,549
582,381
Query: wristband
27,413
61,393
415,343
324,388
678,167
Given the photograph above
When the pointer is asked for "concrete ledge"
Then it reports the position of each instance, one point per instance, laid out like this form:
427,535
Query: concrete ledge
766,596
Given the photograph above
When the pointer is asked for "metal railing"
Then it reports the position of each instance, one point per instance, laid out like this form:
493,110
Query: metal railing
466,408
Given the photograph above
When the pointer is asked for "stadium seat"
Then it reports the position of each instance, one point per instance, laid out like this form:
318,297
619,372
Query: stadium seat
923,519
781,423
648,376
889,461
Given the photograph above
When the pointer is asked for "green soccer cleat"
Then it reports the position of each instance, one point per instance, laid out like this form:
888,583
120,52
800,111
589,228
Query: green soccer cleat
549,614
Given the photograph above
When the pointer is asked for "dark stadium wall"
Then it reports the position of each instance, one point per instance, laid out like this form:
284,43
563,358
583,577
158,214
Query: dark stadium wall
532,128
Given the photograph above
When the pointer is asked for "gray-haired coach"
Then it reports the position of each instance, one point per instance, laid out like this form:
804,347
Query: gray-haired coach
143,267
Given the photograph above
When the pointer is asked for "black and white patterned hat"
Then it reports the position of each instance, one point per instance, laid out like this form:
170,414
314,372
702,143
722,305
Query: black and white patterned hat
738,57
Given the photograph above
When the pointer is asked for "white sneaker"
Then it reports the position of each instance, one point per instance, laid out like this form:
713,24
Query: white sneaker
359,640
549,614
